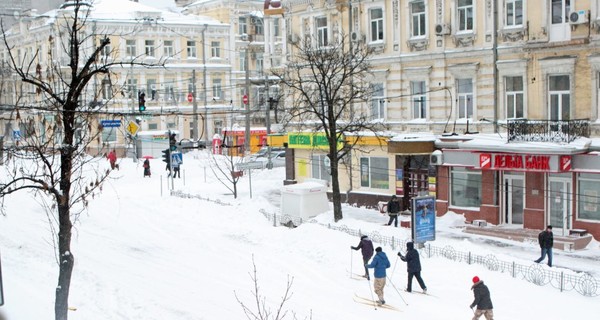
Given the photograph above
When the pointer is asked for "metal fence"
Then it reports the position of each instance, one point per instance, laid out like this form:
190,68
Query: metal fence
581,282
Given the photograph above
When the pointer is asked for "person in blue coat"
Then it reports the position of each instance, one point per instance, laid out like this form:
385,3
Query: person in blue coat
413,266
379,263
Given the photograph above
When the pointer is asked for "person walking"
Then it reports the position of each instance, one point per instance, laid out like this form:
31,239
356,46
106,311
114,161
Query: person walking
483,300
112,158
147,172
176,171
413,266
546,240
393,209
379,263
366,248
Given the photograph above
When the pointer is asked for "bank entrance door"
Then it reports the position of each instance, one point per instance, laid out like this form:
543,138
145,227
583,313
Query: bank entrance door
514,198
560,192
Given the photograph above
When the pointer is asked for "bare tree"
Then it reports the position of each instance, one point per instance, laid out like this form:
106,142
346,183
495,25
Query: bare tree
259,309
224,167
51,162
327,89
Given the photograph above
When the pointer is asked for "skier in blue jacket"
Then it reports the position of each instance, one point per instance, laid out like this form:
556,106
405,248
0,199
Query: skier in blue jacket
379,263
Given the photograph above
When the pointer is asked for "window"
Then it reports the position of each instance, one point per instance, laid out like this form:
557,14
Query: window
243,60
588,197
258,25
191,49
514,97
514,13
149,48
215,49
171,125
105,53
106,89
260,63
376,16
374,173
559,90
321,23
216,89
319,169
465,98
132,88
465,15
152,126
217,126
466,187
417,10
276,27
243,25
109,134
377,101
419,99
168,47
151,89
130,48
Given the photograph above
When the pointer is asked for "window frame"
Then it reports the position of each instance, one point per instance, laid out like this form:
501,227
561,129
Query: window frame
582,196
376,25
466,99
419,107
191,49
131,48
242,25
322,31
511,13
317,165
169,48
467,193
217,89
514,96
215,49
562,94
149,48
466,11
415,28
366,173
377,106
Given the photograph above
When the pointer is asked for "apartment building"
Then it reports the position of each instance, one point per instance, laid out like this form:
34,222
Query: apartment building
184,95
446,75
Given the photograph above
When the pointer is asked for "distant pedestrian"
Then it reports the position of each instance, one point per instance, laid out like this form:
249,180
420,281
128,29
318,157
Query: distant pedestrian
413,266
147,172
366,248
112,158
176,172
379,263
546,241
483,300
393,209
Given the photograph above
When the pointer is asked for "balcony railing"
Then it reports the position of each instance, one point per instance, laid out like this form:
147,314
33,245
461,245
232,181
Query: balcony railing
522,130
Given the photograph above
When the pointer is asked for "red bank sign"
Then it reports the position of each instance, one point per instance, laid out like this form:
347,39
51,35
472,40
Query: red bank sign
529,162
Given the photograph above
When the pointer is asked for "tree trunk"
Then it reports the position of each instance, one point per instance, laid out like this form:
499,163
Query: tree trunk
61,305
335,185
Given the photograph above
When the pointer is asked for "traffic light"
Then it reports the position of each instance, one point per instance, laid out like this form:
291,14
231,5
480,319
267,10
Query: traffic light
172,142
166,156
142,101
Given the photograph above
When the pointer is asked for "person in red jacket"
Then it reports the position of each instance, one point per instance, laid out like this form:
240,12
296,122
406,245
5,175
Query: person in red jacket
112,158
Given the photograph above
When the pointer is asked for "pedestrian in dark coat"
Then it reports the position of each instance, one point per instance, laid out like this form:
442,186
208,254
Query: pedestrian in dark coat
546,240
379,263
413,266
393,209
147,172
483,300
366,248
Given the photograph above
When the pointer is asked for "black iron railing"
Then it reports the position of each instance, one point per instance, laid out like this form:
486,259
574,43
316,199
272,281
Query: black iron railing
523,130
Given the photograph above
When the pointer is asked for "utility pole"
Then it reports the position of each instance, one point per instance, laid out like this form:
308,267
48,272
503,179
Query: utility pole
206,137
194,108
247,132
268,103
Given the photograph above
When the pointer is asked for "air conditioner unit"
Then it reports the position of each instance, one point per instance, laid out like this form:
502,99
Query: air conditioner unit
244,37
578,17
356,36
442,29
436,158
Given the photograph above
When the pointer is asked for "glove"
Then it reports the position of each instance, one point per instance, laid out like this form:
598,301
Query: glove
400,255
352,247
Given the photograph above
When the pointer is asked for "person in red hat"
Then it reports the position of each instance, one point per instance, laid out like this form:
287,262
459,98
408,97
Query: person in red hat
483,300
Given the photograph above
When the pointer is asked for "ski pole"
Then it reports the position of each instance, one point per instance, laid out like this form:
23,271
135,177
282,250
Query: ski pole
394,269
393,286
350,262
371,291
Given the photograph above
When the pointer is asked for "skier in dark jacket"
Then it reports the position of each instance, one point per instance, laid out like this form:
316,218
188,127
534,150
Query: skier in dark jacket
380,262
366,248
413,266
483,300
546,240
393,209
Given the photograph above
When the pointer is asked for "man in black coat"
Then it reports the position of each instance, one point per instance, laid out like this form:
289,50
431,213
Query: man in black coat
393,209
366,247
413,266
483,300
546,240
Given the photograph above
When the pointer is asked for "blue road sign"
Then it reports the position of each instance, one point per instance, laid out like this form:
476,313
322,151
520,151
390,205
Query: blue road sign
110,123
16,135
176,158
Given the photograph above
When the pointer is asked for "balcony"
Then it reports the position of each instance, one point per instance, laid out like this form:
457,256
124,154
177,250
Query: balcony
566,131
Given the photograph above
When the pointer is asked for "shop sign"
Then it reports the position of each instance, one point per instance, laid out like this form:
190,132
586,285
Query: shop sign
309,140
515,162
565,163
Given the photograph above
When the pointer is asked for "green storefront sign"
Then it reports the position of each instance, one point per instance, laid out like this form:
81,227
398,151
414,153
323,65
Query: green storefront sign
309,140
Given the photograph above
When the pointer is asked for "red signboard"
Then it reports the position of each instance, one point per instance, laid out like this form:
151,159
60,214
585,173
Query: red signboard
565,163
485,161
190,97
245,99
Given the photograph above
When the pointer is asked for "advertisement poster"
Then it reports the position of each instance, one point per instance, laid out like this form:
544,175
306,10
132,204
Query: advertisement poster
399,182
423,219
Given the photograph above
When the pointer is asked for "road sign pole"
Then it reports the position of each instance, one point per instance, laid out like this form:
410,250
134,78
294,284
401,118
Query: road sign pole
250,181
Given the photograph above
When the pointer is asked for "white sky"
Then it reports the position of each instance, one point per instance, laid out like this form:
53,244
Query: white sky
143,255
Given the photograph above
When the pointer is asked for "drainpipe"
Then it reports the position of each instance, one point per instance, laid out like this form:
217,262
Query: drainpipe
495,62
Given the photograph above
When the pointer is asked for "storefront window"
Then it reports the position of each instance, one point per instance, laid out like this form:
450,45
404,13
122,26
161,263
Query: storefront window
466,187
588,197
374,173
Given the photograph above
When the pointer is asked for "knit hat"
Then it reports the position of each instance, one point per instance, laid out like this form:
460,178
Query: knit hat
378,249
364,237
475,279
